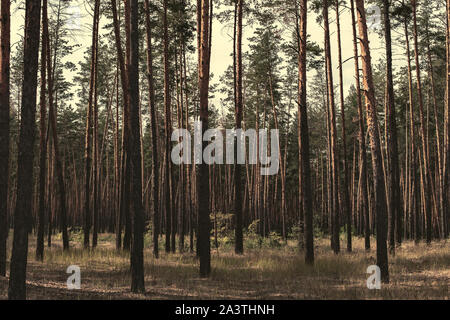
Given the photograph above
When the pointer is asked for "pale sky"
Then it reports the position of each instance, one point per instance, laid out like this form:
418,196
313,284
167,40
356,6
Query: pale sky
222,42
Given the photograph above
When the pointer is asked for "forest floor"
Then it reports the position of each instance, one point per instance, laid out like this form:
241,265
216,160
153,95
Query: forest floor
416,272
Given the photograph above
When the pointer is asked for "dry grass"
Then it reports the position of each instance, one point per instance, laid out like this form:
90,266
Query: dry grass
417,272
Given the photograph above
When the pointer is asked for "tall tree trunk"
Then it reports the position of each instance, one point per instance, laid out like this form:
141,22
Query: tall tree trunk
414,185
345,189
168,133
43,138
124,179
334,148
137,246
239,245
364,203
426,169
22,215
4,128
88,137
303,139
439,170
393,175
447,130
57,159
126,183
375,144
204,223
155,162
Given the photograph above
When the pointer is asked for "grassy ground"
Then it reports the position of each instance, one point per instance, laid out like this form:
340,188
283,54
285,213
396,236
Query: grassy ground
417,272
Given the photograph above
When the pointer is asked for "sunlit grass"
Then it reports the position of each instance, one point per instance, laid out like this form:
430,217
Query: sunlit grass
263,272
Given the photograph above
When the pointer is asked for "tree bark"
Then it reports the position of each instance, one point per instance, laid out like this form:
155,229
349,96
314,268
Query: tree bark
43,138
375,144
5,53
88,137
334,151
426,183
239,245
57,159
303,139
152,106
137,245
447,129
345,189
393,174
204,223
22,215
168,133
364,203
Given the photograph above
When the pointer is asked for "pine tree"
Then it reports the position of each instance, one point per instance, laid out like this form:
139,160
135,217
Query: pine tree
375,144
22,214
4,128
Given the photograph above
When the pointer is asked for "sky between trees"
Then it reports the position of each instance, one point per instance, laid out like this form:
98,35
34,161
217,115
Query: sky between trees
222,47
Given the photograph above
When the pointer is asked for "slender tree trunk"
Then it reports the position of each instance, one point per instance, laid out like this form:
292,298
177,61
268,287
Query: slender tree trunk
345,189
239,248
155,164
22,215
303,139
439,171
168,133
447,130
393,176
426,169
414,194
43,138
4,128
334,151
204,223
57,159
124,179
364,203
95,152
137,246
375,144
88,140
126,183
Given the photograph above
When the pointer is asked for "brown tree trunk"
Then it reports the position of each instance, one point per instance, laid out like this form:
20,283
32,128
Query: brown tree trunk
334,151
126,182
393,175
414,185
43,138
375,144
447,130
204,223
22,215
88,137
239,245
137,245
364,200
155,162
345,189
124,179
305,192
438,161
426,169
4,128
95,152
57,159
168,133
